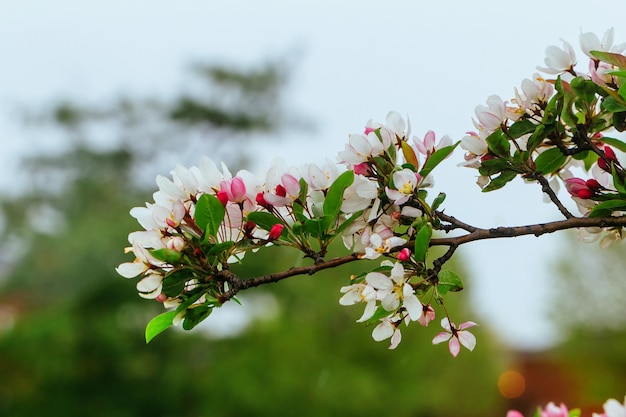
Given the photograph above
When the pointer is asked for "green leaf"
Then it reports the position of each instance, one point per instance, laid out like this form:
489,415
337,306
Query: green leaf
334,196
209,214
437,201
422,242
436,158
220,248
159,324
493,166
605,208
314,227
611,58
550,161
521,128
169,256
617,73
264,220
500,181
499,144
449,281
616,143
174,283
540,133
348,221
195,316
409,155
611,104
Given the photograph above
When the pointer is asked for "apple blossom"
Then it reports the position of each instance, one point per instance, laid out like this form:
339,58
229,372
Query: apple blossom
559,60
456,336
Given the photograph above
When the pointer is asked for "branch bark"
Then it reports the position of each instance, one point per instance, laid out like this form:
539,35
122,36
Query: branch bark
473,234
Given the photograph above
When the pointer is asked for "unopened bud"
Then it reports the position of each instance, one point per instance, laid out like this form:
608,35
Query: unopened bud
404,255
161,298
584,193
280,191
260,200
362,169
176,243
276,231
593,184
222,195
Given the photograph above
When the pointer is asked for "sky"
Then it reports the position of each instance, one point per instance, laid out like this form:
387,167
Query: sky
354,61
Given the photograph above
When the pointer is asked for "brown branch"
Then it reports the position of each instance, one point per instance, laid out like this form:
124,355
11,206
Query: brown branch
474,233
545,187
532,229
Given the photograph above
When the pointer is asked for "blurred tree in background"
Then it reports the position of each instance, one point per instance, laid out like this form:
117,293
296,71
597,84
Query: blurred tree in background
71,330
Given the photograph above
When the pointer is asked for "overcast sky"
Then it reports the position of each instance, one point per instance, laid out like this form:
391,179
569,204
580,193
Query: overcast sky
356,60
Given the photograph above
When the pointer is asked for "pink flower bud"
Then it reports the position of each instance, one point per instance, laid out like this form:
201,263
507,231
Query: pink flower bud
362,169
610,156
593,184
248,228
578,187
280,191
176,243
404,255
222,195
276,231
161,298
260,200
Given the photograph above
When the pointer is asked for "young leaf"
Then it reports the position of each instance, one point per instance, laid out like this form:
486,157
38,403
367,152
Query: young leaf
158,324
422,241
605,208
436,158
499,144
209,214
493,166
616,143
166,255
449,281
437,201
500,181
613,105
334,196
409,155
611,58
550,161
348,221
264,220
195,316
521,128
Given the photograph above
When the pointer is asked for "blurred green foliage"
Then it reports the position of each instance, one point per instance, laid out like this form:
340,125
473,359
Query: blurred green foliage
72,343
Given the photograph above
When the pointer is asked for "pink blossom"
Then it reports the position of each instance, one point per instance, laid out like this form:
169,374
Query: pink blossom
552,410
428,314
404,255
559,60
514,413
427,146
578,187
456,336
276,231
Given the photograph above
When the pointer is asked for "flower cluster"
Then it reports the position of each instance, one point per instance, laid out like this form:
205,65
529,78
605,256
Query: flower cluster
612,408
556,126
376,201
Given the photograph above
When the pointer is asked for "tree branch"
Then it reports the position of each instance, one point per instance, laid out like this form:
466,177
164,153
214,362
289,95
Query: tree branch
474,233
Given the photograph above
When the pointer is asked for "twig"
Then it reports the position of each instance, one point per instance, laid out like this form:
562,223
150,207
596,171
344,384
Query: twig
545,187
474,233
